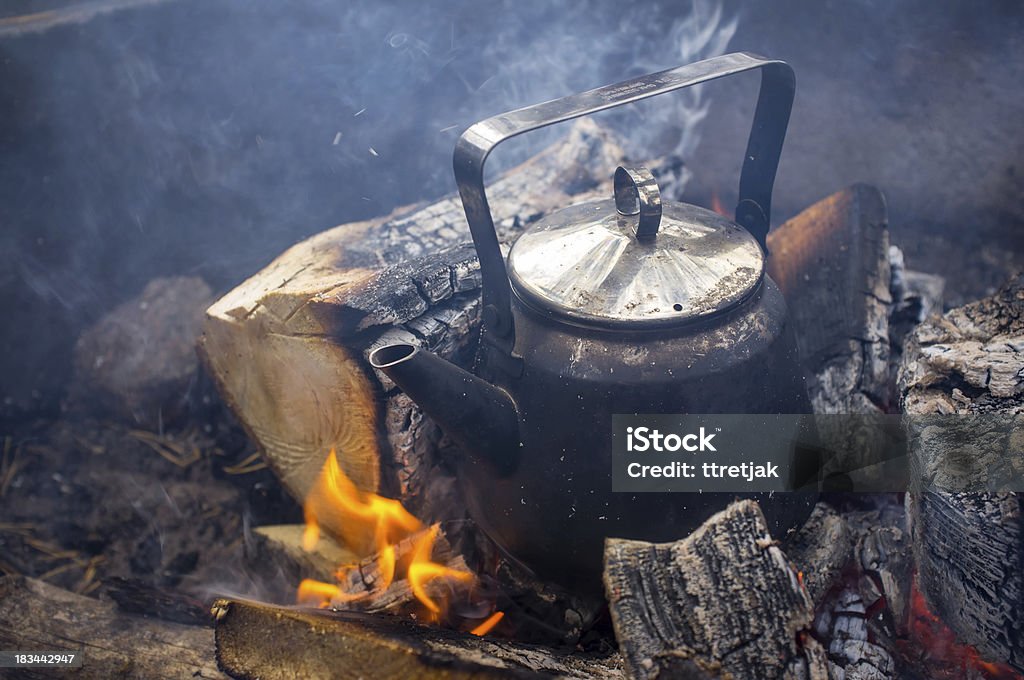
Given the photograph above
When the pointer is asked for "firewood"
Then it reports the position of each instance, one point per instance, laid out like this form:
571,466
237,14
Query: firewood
275,555
969,546
832,263
287,347
259,640
35,616
724,602
886,565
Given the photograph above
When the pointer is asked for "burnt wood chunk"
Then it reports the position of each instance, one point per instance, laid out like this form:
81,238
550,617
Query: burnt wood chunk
724,602
288,347
37,616
820,550
276,551
262,641
969,546
832,263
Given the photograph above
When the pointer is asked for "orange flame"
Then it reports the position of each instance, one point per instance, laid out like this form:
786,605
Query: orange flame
485,627
371,524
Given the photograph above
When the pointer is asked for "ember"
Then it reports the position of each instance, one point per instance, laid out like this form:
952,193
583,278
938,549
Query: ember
935,646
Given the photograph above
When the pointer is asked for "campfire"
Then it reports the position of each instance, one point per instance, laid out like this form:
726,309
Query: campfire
378,526
411,445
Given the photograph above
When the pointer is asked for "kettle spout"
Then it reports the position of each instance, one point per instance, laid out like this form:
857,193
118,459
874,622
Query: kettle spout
480,417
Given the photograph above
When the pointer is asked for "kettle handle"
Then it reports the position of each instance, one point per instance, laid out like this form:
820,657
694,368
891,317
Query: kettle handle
771,117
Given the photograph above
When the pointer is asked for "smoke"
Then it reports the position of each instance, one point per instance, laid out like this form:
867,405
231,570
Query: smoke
203,138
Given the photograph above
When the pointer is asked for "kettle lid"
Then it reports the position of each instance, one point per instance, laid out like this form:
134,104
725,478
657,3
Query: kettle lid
631,262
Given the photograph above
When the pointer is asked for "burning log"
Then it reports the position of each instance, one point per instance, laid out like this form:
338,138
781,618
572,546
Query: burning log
259,640
276,555
37,616
969,547
724,602
287,346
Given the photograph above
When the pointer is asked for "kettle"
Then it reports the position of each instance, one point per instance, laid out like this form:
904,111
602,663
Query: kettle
617,306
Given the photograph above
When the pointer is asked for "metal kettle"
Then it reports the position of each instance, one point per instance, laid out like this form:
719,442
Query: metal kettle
623,305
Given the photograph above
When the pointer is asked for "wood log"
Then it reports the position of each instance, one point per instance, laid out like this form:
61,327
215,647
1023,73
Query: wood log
287,347
724,602
277,560
969,546
544,613
832,263
148,599
259,640
35,616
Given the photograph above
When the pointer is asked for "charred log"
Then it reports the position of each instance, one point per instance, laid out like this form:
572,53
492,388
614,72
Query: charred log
724,602
969,547
820,550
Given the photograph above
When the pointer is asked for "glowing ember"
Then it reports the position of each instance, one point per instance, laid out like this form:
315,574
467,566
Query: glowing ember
938,649
485,627
372,524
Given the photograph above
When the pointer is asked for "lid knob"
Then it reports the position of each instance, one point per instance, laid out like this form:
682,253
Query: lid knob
637,193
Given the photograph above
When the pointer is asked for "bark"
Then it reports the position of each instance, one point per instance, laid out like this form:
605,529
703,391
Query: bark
724,602
258,640
35,616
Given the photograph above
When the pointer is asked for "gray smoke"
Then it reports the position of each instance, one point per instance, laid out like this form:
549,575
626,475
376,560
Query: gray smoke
199,137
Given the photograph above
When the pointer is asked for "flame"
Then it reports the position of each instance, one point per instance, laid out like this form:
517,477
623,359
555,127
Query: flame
422,571
372,525
485,627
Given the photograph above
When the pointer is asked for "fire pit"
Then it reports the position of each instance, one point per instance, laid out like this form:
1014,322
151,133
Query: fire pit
283,504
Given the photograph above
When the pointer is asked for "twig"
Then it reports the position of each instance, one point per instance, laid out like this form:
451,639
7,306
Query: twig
58,570
24,528
249,464
9,466
54,552
168,450
88,578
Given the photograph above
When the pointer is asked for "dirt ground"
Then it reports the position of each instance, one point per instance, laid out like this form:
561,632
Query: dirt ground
84,501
